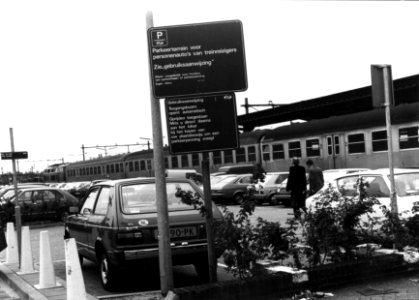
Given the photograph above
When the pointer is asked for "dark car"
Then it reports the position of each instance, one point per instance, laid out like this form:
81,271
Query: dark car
117,227
266,191
40,203
231,188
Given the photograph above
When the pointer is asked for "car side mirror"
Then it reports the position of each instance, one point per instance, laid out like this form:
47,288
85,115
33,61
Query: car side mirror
86,211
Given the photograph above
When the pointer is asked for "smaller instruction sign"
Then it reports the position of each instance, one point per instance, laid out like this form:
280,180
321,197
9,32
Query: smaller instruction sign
199,124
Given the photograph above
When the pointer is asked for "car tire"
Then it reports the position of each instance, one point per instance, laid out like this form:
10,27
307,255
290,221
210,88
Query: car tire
273,200
202,269
238,198
108,273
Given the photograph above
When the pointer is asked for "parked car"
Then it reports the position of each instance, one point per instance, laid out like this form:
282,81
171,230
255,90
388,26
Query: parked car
39,203
117,227
329,175
236,169
378,186
231,188
265,191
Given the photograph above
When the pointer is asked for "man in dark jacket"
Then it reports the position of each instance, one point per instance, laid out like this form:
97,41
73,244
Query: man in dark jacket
315,177
297,185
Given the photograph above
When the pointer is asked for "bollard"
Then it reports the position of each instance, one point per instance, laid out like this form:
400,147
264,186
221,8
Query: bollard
12,255
46,267
74,276
26,258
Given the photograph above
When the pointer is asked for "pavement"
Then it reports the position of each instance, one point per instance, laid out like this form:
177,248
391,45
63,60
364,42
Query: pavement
403,286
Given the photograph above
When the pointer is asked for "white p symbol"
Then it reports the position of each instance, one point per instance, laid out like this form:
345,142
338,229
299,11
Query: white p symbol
159,34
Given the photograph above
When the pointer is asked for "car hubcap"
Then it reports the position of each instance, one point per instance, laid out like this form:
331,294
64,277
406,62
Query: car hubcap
104,270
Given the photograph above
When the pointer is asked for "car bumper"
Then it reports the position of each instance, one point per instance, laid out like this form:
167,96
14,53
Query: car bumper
176,249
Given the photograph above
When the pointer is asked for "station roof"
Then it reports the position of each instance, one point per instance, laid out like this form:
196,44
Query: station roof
406,90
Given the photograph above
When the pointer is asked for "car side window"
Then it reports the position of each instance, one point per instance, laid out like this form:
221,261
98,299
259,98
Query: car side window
102,203
90,202
25,197
347,186
376,187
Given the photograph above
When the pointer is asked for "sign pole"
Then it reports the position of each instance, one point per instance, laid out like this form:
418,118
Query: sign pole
212,261
18,218
165,254
387,104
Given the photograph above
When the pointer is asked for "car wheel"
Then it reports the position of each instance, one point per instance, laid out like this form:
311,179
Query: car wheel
238,198
108,274
273,200
202,269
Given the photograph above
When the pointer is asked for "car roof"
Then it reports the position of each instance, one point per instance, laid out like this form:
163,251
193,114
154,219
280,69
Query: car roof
383,171
140,180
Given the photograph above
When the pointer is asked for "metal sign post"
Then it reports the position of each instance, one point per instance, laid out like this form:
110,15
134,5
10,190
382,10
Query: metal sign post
382,90
165,253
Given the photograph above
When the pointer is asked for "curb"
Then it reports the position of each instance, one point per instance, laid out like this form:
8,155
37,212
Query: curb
20,286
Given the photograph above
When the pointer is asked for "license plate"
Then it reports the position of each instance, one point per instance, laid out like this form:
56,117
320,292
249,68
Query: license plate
180,232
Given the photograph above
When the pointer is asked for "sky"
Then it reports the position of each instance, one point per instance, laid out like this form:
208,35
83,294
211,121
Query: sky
75,73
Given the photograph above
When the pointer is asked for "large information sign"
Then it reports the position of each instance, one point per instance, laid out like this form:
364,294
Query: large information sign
198,124
197,59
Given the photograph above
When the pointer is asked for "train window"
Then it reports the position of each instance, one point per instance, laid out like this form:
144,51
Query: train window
251,153
91,170
121,167
329,146
228,156
112,169
216,157
313,147
131,166
175,163
240,155
409,137
294,149
356,143
142,165
337,147
184,160
148,164
99,170
195,159
278,151
116,168
166,162
379,141
266,152
136,166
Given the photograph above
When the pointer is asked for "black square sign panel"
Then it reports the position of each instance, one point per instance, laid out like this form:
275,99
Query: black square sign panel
200,124
197,59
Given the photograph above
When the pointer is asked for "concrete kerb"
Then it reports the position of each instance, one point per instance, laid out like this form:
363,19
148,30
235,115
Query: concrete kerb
19,285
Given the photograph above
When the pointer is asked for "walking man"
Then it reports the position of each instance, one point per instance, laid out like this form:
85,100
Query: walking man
315,177
297,185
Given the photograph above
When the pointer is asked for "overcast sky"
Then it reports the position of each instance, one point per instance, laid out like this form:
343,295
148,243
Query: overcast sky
75,73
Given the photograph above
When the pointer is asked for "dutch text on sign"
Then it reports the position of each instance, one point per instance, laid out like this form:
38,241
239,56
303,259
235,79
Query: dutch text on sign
14,155
202,123
197,59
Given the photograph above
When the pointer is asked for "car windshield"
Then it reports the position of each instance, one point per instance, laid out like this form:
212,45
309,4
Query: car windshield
407,184
227,179
142,197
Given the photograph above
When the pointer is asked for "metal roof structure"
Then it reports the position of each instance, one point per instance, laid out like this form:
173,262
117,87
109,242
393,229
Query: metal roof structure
406,90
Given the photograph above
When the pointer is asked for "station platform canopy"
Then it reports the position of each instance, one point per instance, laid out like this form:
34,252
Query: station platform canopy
406,90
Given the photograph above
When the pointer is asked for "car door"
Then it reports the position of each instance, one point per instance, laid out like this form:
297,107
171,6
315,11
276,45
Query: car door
97,222
77,225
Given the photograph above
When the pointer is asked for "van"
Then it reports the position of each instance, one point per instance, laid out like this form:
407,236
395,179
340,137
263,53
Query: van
236,169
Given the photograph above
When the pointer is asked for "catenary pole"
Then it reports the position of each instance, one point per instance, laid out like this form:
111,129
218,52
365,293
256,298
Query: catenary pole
165,255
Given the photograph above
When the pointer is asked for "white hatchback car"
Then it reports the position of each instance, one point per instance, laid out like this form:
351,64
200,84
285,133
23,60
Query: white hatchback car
406,186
